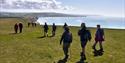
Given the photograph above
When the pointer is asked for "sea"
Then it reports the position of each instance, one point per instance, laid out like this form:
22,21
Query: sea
90,21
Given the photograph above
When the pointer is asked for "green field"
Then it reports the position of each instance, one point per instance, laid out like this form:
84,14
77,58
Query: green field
28,47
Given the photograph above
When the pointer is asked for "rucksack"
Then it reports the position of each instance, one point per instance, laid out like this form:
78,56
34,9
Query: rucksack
88,35
68,37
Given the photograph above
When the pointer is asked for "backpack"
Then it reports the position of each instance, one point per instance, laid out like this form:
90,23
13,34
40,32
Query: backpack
68,37
85,34
88,35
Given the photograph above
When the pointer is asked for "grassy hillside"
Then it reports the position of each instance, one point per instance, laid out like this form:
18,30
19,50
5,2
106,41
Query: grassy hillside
28,47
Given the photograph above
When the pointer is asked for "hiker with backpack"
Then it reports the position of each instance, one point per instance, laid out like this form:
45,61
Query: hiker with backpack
53,29
99,38
67,40
85,35
46,29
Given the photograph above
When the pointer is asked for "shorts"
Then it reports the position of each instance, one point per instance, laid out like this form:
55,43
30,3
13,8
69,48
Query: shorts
99,39
83,44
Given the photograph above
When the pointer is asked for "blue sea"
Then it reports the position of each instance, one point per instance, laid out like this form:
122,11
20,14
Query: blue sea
90,21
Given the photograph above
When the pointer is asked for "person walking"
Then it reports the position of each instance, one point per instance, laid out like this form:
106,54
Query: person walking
16,28
20,27
99,38
53,29
85,35
67,40
46,30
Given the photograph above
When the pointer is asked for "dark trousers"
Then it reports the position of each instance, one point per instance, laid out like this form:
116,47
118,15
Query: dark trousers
20,30
16,29
65,48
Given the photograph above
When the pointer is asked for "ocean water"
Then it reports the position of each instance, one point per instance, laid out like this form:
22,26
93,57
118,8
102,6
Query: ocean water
90,21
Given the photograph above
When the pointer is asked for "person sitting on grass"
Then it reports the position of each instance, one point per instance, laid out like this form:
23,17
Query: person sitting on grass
99,37
67,40
85,35
46,30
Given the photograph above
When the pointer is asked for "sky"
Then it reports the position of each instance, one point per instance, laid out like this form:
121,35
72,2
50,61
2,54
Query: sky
112,8
113,12
103,7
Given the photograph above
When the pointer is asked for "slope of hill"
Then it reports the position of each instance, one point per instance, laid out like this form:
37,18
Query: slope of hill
28,47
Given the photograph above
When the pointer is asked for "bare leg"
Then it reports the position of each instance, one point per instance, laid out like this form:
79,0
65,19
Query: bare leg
101,47
94,46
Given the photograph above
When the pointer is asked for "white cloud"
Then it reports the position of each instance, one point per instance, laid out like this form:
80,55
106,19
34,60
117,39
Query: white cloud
33,4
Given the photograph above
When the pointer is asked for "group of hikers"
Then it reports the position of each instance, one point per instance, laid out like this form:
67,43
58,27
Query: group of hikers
83,33
85,36
31,23
46,28
18,26
67,38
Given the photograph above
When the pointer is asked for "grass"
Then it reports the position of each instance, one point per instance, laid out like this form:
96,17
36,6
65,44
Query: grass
27,47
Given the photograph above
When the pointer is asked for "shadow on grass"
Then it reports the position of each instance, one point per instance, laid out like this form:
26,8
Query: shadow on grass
51,36
41,37
13,33
83,61
98,53
45,36
62,61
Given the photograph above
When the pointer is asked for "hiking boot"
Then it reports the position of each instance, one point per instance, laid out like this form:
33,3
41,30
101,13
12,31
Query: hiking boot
66,57
101,50
83,57
93,47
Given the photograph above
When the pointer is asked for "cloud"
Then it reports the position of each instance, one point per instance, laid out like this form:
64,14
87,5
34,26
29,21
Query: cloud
33,4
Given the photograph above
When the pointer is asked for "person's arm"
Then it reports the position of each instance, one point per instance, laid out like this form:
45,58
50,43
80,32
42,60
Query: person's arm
89,33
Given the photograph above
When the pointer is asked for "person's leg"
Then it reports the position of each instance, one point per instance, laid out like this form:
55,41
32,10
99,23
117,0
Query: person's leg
15,30
65,49
94,45
101,47
28,24
83,57
52,33
20,30
44,33
47,33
